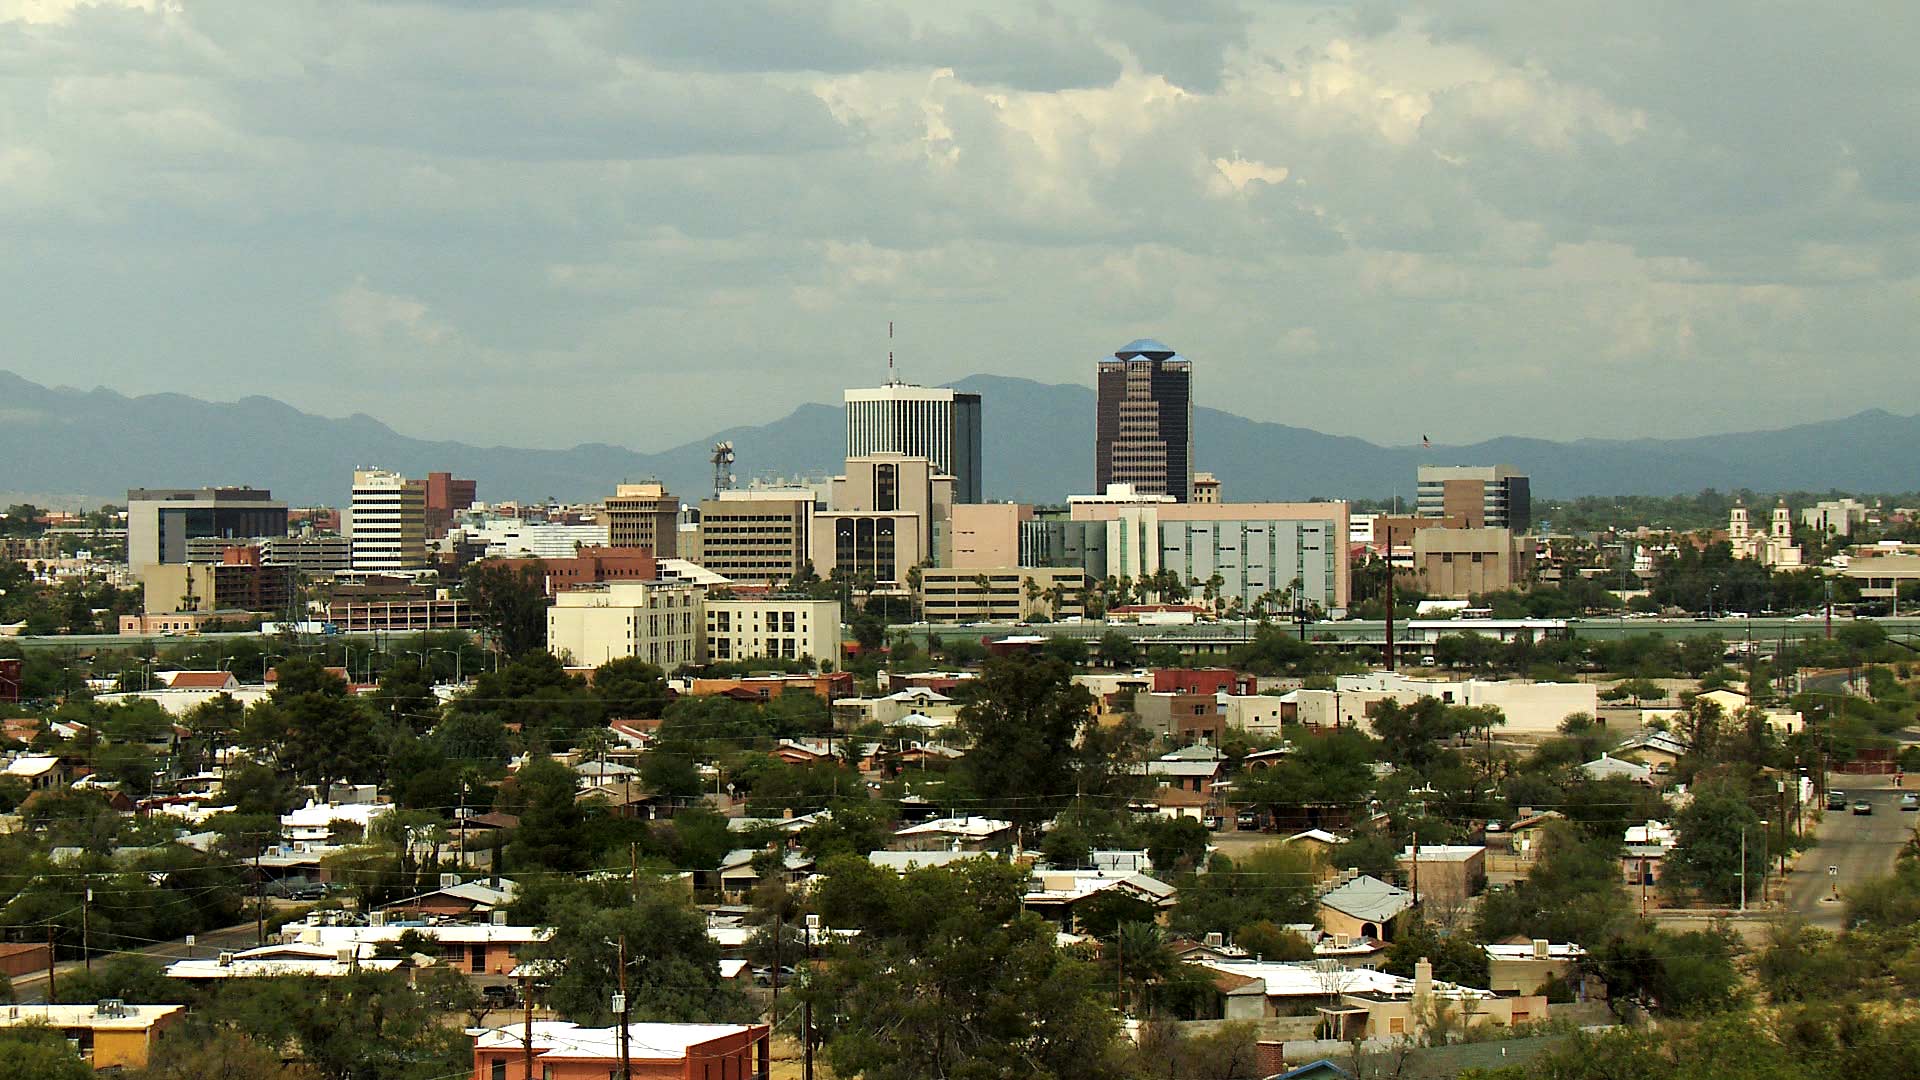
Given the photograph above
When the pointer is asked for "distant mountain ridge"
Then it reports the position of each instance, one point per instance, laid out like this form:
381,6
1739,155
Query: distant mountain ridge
1038,448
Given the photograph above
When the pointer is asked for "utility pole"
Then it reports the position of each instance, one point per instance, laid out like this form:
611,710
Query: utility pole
1390,655
1743,869
86,940
626,1060
259,901
51,996
1416,866
526,1036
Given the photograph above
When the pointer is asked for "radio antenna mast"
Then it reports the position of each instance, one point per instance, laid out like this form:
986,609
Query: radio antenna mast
891,380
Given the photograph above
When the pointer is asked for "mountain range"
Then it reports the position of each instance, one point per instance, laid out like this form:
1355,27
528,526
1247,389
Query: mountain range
94,445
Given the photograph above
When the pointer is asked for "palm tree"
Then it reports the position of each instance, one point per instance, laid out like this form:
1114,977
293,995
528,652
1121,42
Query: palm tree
1142,954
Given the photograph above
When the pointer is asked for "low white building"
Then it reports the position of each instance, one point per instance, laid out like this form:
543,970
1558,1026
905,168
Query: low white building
1531,708
773,628
319,823
659,622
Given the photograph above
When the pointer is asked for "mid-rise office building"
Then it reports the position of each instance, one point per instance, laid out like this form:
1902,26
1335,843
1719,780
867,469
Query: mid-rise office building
160,521
644,515
1484,497
1144,429
388,522
779,628
1256,550
237,581
755,536
888,514
1001,594
446,496
1460,563
938,423
658,621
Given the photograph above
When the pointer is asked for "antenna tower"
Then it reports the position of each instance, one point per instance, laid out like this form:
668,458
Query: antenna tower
722,468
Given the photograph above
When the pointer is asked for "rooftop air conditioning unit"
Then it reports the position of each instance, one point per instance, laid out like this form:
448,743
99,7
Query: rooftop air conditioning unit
377,918
498,918
1541,950
110,1007
226,959
448,881
344,956
1214,940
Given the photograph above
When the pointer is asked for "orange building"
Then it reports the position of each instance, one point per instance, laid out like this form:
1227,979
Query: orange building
826,686
564,1051
593,565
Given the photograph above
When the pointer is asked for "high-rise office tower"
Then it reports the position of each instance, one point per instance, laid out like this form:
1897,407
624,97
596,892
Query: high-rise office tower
938,423
1486,496
1144,430
389,521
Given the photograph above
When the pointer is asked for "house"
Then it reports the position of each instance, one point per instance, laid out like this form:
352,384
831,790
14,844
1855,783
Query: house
1360,1003
1193,768
1607,767
1322,1069
737,875
1362,906
1059,894
1445,873
198,680
854,712
456,899
41,772
473,949
1173,802
1655,748
955,834
901,862
321,823
1526,967
269,961
598,775
23,957
567,1051
1643,859
108,1035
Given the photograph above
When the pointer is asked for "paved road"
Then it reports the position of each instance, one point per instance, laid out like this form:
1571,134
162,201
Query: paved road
1859,848
33,988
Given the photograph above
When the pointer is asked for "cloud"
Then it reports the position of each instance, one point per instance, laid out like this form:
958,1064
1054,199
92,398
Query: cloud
1653,203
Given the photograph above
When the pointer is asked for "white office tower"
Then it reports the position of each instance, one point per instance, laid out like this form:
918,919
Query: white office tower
934,422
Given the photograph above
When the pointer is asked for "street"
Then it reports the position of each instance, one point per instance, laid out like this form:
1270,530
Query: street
32,989
1858,848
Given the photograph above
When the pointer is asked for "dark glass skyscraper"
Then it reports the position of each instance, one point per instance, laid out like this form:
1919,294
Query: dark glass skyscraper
1144,431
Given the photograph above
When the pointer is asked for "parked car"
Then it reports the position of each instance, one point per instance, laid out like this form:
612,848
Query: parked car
1246,819
1213,822
1910,801
1862,806
1836,800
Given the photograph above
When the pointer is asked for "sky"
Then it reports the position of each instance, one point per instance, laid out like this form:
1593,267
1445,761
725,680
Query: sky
638,222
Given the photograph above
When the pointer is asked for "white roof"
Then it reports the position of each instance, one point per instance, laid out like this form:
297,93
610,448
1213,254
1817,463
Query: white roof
1322,835
1555,951
557,1040
32,765
1308,980
315,815
340,937
1444,852
126,1018
1606,765
1070,885
274,960
976,827
903,861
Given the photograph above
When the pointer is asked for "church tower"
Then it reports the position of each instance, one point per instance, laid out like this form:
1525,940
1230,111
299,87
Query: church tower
1737,525
1782,523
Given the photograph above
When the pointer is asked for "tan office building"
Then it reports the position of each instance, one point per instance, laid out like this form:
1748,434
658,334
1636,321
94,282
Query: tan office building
987,534
755,536
1459,563
889,513
644,515
1001,594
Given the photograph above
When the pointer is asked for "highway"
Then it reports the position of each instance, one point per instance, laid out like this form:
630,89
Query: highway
1858,848
32,989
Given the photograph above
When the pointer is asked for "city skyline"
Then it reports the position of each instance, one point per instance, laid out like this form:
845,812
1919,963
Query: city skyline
1513,215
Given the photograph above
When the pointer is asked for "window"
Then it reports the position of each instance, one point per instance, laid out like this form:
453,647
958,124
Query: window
1397,1025
499,1071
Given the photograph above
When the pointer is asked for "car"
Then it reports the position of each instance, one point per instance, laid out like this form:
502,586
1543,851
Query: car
1213,822
1910,801
1246,819
1836,800
1862,806
310,892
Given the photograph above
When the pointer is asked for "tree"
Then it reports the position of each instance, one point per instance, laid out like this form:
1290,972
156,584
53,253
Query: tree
951,978
1274,883
1708,848
1456,958
1117,650
40,1052
129,977
631,688
1687,975
219,1055
1572,894
672,965
1024,722
549,836
508,597
325,738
